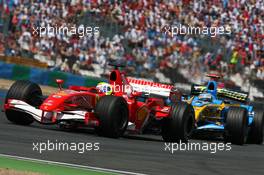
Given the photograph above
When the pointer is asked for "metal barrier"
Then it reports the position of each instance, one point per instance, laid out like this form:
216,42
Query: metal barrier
44,77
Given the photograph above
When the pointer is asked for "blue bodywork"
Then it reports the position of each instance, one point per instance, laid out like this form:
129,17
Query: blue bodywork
209,98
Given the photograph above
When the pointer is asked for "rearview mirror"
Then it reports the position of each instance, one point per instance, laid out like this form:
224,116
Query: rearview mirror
60,83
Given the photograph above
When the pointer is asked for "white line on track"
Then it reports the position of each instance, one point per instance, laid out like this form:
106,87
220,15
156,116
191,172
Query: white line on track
105,170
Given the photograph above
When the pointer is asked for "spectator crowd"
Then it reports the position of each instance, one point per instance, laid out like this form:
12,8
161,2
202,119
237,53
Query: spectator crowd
149,49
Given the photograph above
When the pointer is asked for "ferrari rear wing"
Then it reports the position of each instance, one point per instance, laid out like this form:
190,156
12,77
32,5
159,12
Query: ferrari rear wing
221,92
150,87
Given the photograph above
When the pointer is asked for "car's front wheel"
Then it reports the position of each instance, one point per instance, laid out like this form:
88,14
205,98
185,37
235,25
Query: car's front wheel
236,129
256,133
25,91
112,113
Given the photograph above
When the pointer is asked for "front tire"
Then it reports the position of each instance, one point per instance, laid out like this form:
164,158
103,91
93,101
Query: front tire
180,123
25,91
236,125
112,113
257,128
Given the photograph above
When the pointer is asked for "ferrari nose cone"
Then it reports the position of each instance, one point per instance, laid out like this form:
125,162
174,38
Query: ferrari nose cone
48,105
52,103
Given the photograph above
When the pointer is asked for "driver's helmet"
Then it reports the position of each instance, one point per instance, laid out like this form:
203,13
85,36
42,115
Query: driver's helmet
105,88
205,97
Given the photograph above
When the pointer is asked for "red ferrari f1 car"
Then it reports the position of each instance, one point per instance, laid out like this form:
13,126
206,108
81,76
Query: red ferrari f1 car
110,114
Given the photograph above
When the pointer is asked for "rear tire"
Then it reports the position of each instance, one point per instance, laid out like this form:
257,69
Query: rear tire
28,92
236,125
257,128
112,113
180,124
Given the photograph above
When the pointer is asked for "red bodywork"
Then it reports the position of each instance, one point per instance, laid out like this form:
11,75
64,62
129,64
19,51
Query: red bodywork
79,98
139,111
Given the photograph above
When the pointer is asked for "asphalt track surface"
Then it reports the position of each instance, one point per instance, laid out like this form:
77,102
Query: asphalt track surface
140,154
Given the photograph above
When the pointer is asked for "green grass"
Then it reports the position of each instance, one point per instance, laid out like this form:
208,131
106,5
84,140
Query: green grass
45,168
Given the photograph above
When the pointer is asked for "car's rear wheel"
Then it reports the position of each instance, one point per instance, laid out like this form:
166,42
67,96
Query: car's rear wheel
257,128
112,113
180,123
28,92
236,129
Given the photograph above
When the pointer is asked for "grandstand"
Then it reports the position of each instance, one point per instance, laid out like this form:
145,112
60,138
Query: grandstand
133,31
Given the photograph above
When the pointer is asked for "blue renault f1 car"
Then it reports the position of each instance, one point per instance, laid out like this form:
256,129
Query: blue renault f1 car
227,112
